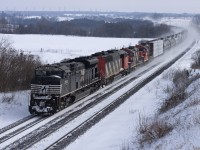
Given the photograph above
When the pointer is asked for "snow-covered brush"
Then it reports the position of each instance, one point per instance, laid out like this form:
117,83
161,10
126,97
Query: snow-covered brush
150,130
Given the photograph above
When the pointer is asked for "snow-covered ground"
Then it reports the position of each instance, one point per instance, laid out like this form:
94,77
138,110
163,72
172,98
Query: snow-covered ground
15,109
119,128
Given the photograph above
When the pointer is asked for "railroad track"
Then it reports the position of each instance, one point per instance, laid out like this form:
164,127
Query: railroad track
18,127
14,129
42,132
7,135
55,124
45,130
16,123
4,137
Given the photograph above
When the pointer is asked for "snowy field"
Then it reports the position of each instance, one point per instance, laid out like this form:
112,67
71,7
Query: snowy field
182,22
54,48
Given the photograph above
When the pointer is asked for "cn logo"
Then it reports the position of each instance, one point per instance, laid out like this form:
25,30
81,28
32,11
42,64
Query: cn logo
44,89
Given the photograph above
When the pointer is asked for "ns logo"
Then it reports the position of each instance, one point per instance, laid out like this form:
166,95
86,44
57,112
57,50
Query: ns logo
44,89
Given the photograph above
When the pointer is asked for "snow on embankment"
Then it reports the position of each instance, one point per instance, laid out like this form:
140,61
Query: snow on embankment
13,107
176,123
119,129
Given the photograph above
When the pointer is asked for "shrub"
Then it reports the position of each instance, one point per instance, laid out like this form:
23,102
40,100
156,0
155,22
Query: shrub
16,68
196,60
169,74
181,78
197,120
194,102
125,147
176,92
152,130
8,98
176,97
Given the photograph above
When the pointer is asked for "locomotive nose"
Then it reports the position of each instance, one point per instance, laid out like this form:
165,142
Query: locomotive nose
42,105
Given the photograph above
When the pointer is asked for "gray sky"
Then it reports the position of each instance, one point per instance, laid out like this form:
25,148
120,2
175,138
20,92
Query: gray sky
172,6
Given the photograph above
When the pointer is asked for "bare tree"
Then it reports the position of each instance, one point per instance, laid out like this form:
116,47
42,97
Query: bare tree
16,69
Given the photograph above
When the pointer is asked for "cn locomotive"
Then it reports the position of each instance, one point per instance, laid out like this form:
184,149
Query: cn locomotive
58,85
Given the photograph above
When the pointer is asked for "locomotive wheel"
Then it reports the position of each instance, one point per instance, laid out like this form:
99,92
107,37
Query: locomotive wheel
94,88
98,86
32,112
72,99
112,79
54,110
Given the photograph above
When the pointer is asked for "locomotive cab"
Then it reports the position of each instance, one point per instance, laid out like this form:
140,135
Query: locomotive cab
45,89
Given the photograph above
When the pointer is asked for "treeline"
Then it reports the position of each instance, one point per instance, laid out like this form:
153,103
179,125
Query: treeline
16,69
196,22
86,27
132,29
196,19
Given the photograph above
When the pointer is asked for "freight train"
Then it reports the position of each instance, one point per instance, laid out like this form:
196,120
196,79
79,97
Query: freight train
58,85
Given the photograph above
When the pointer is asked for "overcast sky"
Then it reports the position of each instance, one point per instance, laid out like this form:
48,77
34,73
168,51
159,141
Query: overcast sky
171,6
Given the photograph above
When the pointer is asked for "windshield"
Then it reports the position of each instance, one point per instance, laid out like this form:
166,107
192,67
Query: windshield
48,73
46,80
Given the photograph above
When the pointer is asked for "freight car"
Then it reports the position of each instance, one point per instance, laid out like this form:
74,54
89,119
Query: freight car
58,85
